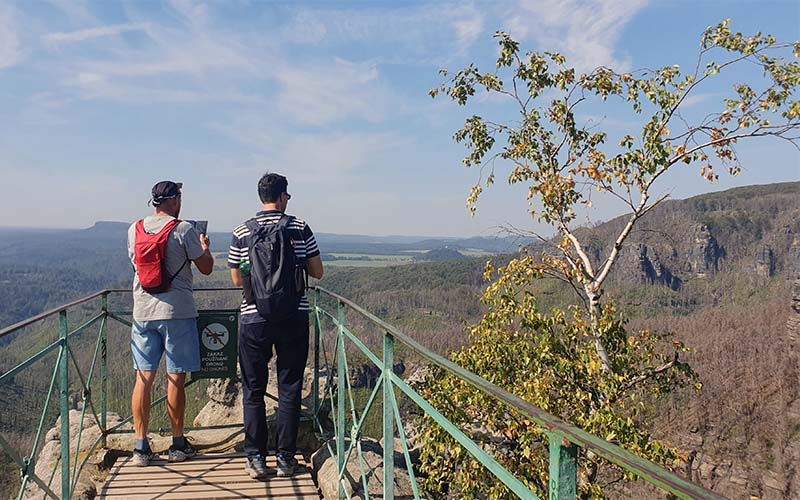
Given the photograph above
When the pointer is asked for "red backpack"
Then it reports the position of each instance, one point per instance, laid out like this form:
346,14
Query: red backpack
149,257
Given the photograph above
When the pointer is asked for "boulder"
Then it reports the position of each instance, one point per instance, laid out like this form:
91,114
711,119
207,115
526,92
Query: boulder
225,408
326,474
47,463
366,375
224,405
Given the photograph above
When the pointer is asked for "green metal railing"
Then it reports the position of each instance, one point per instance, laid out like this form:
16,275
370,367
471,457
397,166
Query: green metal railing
27,464
564,438
64,372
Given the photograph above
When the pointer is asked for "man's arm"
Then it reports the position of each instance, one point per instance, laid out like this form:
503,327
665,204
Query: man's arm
314,267
205,263
236,277
313,258
236,254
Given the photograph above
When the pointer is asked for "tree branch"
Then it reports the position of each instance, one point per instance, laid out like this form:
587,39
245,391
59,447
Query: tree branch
651,373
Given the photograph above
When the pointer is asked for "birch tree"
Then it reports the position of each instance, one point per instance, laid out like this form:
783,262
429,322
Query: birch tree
580,362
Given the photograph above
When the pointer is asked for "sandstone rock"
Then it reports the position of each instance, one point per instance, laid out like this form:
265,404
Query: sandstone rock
704,254
418,375
48,463
693,441
225,399
413,451
793,323
773,481
642,264
765,261
738,475
325,470
367,375
706,471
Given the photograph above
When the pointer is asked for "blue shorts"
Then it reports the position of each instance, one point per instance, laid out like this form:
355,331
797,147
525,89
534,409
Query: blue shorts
178,337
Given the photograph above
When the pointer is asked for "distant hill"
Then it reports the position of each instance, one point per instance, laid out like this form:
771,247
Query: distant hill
440,255
391,245
109,227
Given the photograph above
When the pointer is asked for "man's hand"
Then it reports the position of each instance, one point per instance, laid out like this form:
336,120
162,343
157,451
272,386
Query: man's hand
205,263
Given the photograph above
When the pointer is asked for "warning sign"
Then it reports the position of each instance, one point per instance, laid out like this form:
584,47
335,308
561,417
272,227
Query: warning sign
218,344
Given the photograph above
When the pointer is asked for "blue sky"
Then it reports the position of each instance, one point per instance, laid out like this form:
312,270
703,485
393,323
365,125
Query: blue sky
99,100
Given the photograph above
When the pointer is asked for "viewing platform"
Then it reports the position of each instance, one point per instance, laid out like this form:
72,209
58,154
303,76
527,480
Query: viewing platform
219,476
90,432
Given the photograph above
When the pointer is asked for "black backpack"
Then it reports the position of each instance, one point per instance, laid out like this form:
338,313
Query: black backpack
277,275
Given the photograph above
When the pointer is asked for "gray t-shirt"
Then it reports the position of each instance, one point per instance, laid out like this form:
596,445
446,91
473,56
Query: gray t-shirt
176,303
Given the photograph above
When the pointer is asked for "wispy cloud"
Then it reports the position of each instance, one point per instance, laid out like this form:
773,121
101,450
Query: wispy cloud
324,93
452,28
60,38
10,48
97,86
467,21
181,60
311,156
586,32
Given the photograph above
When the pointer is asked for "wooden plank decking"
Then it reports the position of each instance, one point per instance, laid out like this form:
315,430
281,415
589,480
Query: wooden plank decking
204,477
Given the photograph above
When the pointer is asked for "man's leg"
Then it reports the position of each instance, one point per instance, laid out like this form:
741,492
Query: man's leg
291,348
147,346
140,402
182,346
255,351
176,402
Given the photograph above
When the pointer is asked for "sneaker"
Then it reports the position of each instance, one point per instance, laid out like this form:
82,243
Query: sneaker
181,454
255,467
286,464
142,458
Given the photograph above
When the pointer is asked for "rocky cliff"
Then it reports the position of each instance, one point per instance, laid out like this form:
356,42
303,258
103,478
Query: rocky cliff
751,231
793,323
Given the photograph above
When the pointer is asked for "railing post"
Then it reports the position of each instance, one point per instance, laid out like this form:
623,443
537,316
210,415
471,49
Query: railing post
340,400
317,326
563,468
64,386
388,416
104,370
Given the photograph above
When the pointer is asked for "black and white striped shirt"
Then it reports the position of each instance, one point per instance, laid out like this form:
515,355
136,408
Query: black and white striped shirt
305,246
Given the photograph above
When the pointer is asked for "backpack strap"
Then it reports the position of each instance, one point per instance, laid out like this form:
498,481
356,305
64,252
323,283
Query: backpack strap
285,221
175,223
179,271
253,226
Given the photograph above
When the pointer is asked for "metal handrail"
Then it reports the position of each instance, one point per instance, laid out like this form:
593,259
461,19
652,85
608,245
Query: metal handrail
22,324
106,291
646,470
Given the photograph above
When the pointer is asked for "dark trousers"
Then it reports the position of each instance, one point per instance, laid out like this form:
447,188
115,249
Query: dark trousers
256,341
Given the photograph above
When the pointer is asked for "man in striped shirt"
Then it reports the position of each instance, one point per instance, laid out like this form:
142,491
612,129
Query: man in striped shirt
258,337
